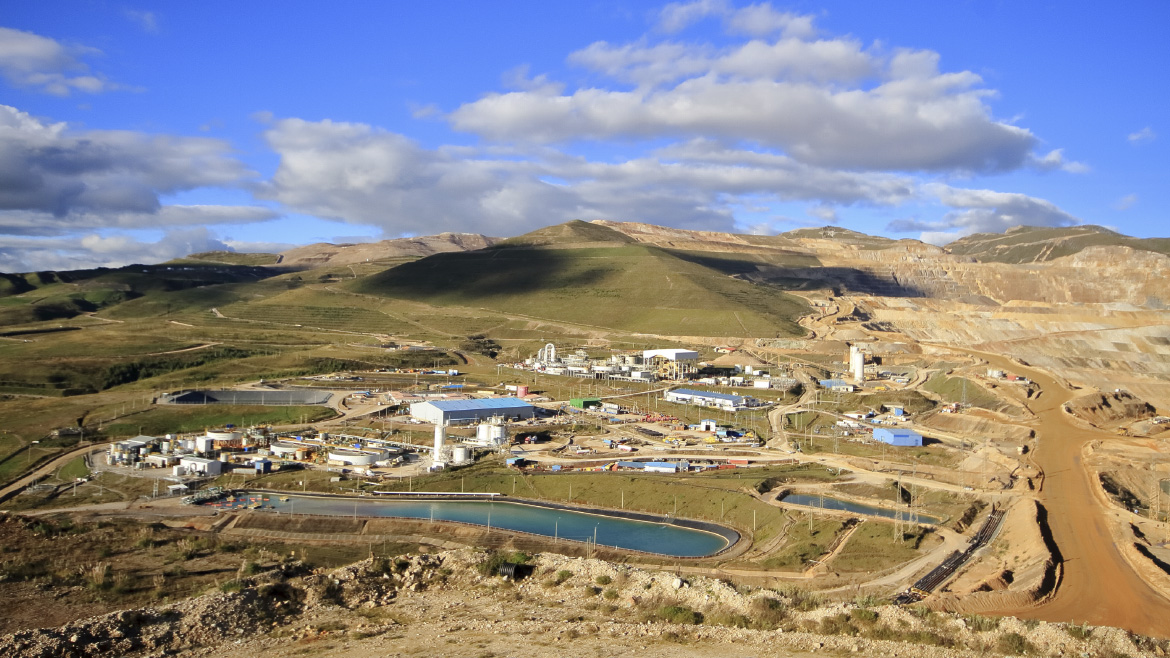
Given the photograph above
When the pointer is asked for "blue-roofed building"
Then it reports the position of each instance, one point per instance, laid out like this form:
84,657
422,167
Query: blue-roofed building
725,401
906,438
456,412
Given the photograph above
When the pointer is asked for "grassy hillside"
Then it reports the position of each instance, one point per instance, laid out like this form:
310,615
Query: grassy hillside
44,296
1030,244
629,288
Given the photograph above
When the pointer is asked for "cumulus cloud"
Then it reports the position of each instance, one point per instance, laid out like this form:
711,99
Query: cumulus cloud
825,102
981,211
63,191
109,177
37,62
24,254
1144,135
756,20
1054,160
358,173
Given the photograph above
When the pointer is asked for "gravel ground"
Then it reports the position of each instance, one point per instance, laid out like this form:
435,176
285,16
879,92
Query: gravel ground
441,605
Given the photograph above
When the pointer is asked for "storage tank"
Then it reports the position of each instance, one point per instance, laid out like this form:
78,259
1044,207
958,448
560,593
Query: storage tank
490,434
224,435
521,391
460,454
170,437
440,437
166,447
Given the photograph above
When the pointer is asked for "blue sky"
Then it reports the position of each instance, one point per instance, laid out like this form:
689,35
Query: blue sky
141,132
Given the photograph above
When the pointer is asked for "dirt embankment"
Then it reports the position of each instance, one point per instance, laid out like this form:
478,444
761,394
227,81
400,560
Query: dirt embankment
1110,409
977,425
1016,570
449,604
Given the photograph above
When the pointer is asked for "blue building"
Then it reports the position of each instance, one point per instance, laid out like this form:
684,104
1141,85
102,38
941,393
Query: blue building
898,437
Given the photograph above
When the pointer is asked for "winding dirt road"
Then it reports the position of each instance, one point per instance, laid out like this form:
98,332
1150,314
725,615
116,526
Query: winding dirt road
1098,585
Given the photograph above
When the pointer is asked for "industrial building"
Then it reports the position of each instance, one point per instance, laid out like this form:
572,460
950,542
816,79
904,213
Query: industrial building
725,401
455,412
837,385
201,466
907,438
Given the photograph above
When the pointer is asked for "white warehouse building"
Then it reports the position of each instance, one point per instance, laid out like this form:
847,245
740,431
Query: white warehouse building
725,401
456,412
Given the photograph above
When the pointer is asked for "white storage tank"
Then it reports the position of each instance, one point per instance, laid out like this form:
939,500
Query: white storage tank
490,434
224,435
460,454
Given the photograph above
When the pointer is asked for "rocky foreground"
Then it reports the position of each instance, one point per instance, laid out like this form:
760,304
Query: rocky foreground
454,604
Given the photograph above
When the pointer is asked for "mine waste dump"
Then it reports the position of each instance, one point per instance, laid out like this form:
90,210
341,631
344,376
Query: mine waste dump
631,531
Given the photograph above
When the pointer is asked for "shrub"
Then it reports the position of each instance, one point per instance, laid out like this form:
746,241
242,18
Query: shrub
604,580
678,614
1013,644
490,566
837,625
563,575
1079,631
864,615
768,612
610,594
231,586
980,624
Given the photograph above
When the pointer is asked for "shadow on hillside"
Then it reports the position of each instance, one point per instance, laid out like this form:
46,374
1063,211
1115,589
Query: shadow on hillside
839,279
487,273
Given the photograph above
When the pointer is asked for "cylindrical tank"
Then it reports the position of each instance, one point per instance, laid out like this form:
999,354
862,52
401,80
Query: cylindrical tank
521,391
224,435
440,437
460,454
166,447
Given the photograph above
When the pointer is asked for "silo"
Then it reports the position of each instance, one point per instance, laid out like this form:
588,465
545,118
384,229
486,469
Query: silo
460,454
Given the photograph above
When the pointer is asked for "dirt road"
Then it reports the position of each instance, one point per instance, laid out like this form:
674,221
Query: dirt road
47,469
1099,586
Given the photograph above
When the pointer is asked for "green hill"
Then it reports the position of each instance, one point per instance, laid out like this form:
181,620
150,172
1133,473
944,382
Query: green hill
573,273
1031,244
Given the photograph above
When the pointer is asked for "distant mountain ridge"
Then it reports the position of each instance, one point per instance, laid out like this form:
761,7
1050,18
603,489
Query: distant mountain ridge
1035,244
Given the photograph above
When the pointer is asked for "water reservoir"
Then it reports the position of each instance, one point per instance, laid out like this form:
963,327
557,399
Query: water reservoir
577,525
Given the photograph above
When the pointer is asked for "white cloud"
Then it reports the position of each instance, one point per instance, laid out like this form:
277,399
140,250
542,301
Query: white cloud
678,15
755,20
1126,202
57,177
361,174
23,254
761,20
981,211
31,60
828,103
1054,159
1144,135
827,214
